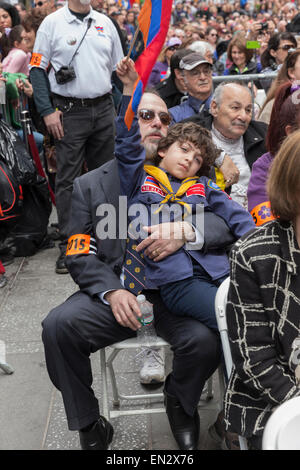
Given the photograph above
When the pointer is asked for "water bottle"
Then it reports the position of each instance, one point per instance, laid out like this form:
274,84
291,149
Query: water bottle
146,334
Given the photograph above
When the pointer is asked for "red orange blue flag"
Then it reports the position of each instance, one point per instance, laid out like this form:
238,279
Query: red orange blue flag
153,21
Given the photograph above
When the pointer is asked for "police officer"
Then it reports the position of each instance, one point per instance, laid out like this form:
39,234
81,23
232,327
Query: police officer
74,99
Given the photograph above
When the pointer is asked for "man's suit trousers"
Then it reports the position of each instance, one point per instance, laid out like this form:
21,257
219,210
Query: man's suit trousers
82,325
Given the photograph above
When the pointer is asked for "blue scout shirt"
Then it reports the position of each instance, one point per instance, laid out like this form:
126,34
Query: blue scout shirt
142,189
189,108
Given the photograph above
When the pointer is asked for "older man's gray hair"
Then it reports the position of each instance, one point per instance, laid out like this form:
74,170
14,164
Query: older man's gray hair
289,6
218,92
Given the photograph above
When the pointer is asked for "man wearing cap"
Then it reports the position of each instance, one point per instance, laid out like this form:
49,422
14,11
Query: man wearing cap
196,72
172,90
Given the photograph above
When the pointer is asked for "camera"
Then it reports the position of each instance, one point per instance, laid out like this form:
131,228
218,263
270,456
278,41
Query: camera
65,75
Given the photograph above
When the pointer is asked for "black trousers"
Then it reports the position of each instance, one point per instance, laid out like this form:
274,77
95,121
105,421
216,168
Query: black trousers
82,325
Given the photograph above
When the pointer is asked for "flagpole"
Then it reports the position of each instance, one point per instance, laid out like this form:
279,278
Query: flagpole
133,42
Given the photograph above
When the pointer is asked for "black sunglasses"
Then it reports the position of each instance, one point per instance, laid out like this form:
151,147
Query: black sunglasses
148,115
38,4
286,47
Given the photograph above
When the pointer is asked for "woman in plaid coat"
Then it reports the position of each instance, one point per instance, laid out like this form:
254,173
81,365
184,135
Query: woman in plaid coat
263,310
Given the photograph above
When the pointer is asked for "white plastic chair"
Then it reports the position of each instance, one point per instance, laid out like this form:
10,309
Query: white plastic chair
220,308
106,362
282,431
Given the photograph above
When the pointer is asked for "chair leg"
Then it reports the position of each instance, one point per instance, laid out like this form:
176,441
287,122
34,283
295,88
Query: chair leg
104,383
116,400
210,392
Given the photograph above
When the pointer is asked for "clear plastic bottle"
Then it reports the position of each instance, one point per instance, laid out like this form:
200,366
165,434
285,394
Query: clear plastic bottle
146,334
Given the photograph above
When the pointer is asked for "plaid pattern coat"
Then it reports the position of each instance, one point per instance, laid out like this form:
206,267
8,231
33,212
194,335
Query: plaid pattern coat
263,316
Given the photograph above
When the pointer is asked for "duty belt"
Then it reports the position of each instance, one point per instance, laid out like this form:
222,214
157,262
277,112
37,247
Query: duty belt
67,100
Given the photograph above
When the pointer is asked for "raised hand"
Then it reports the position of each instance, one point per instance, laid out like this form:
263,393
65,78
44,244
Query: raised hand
127,74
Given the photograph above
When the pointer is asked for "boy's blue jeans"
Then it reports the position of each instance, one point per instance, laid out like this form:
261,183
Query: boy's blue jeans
39,139
193,297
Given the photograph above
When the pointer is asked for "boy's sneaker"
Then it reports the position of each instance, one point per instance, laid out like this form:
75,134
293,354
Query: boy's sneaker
153,370
3,280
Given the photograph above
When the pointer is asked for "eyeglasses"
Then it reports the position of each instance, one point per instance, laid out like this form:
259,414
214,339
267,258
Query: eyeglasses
148,115
286,47
39,4
172,48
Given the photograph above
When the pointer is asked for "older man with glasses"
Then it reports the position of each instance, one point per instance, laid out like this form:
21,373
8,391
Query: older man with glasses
196,73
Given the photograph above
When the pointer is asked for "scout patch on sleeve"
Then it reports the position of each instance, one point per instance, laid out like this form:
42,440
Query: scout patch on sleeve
78,244
197,189
262,213
151,186
36,59
211,184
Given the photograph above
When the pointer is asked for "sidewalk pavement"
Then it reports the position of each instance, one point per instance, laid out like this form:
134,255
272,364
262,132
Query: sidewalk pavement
32,415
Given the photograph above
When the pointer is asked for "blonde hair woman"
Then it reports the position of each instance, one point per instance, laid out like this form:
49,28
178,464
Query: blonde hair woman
263,308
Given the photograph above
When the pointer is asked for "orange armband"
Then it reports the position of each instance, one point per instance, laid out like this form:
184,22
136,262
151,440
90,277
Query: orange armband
262,213
78,244
36,59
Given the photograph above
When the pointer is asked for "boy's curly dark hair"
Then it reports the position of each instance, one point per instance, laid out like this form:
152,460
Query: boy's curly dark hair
198,136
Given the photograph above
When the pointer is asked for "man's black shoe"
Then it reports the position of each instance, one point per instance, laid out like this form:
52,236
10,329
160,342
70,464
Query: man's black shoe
185,429
61,267
99,437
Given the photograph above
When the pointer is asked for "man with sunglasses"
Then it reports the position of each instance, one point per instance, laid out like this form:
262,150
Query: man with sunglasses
103,312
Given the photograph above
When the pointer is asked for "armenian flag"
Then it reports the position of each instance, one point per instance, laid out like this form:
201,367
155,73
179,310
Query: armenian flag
153,21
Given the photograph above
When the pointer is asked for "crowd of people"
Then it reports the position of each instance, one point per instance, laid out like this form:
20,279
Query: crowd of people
194,140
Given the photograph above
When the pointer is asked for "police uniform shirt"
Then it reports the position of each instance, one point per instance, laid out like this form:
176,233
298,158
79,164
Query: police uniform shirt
58,38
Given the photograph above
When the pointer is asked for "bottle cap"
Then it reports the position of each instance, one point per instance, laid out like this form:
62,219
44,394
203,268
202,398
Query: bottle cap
141,299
